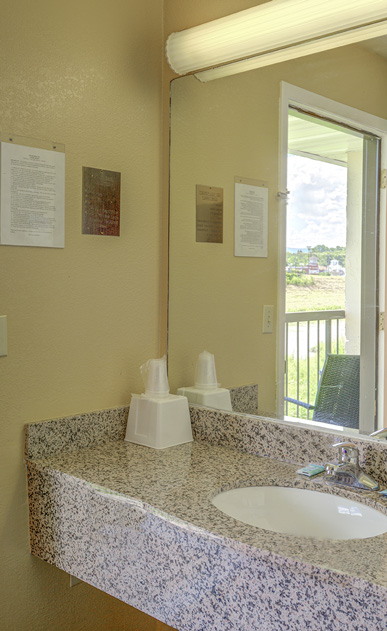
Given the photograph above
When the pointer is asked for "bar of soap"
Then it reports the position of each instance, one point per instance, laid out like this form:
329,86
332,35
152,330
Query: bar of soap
311,470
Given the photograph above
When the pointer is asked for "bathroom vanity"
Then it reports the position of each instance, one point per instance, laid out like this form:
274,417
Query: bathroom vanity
139,524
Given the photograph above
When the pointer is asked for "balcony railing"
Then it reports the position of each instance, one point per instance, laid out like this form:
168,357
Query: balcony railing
309,337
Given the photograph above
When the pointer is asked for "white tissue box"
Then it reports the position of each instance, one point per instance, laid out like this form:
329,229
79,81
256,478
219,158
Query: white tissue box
158,422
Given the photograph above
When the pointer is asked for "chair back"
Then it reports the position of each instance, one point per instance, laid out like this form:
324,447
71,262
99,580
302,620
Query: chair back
337,399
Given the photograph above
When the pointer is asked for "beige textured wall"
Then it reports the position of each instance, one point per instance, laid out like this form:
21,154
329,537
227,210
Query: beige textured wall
179,15
227,128
182,14
80,320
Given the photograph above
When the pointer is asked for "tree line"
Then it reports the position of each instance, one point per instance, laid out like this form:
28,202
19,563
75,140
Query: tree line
323,253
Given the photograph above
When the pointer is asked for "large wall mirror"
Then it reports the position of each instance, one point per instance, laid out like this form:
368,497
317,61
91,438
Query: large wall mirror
228,131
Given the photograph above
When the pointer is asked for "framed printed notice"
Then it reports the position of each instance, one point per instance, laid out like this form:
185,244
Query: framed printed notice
101,202
251,217
32,192
209,214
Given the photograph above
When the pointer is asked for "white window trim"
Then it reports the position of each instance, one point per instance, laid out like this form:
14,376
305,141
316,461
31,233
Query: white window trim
293,95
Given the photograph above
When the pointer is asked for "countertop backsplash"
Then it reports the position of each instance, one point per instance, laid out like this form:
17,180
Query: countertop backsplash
256,435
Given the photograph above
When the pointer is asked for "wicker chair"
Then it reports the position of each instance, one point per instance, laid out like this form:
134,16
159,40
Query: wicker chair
337,398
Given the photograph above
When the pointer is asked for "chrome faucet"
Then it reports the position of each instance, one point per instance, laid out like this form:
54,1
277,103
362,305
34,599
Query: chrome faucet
347,472
380,433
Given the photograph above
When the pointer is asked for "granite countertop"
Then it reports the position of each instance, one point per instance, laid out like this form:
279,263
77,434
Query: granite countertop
178,484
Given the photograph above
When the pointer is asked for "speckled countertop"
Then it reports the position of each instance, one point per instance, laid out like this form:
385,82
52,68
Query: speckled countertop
181,481
139,524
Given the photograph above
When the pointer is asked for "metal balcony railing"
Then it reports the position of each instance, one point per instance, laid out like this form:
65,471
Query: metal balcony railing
309,337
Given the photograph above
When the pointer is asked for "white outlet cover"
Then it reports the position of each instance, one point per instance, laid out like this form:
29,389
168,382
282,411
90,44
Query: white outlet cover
3,336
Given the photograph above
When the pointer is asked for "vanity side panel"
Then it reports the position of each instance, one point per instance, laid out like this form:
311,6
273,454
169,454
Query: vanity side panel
186,577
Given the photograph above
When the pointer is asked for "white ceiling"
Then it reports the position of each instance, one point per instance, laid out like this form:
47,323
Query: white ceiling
321,139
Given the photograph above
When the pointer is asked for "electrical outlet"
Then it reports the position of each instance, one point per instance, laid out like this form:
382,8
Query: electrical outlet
268,317
3,336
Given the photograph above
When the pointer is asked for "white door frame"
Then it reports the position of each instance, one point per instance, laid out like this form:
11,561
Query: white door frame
293,95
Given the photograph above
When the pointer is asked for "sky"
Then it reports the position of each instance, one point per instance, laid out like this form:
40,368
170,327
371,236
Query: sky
316,211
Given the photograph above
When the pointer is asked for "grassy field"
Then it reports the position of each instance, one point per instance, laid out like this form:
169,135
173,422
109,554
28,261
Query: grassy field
327,292
314,375
290,408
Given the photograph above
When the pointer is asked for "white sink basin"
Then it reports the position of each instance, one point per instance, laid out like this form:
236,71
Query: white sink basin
301,512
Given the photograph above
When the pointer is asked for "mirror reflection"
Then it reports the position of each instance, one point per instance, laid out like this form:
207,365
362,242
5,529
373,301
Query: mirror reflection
294,328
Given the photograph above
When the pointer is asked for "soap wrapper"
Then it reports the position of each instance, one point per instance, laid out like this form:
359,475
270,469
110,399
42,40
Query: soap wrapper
311,470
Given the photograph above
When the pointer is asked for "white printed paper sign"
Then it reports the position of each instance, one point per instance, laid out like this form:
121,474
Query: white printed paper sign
32,196
251,216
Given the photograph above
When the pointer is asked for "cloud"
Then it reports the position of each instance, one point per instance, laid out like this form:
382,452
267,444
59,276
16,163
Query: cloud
316,211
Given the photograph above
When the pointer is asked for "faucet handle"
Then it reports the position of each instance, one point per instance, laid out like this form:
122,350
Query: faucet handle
347,452
380,433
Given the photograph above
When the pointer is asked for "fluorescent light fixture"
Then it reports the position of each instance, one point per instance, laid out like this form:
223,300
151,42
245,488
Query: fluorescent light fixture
273,32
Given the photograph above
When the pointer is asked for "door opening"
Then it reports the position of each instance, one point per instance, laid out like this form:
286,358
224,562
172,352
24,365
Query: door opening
331,256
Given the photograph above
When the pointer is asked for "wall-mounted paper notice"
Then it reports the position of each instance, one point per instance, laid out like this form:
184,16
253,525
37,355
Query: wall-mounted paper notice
32,196
251,213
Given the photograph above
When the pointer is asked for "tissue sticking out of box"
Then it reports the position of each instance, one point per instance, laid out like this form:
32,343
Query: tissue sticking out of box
206,390
154,376
205,375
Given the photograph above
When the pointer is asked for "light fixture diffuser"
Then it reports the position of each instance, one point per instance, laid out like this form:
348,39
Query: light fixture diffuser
273,32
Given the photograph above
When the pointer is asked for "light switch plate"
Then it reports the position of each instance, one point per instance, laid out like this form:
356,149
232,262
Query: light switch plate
3,336
268,317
